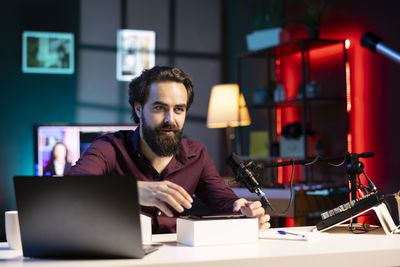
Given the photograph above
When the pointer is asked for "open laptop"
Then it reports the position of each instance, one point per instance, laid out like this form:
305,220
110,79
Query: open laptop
79,217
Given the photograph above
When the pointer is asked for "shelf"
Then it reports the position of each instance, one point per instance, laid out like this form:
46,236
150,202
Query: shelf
291,47
295,64
299,102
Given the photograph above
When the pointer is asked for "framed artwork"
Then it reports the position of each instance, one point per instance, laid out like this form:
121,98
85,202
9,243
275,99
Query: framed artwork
47,52
135,52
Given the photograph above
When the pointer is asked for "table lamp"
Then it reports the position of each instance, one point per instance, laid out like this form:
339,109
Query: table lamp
227,109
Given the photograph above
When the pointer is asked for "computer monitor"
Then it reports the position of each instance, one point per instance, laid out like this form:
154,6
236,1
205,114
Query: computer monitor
76,138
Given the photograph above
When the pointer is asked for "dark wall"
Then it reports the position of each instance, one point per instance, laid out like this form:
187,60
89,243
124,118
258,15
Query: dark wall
239,20
30,98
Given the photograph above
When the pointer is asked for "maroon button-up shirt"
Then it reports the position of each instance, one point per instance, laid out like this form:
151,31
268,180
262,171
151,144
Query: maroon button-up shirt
192,168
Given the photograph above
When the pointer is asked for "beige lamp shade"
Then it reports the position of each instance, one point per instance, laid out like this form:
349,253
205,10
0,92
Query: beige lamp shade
227,108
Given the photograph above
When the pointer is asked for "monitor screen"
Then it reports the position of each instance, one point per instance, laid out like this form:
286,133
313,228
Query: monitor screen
75,138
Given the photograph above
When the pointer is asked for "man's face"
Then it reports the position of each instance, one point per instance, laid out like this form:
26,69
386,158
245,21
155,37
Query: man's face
162,117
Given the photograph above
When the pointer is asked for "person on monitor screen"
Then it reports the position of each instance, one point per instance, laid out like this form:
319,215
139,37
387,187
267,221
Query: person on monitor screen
58,164
170,169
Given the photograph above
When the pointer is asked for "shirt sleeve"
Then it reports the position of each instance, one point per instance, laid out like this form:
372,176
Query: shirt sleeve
96,160
212,189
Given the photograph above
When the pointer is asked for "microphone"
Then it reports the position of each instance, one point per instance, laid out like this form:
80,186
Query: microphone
245,176
375,44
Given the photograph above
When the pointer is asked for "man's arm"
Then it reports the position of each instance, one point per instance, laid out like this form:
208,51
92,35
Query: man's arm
158,194
95,160
100,159
220,198
212,189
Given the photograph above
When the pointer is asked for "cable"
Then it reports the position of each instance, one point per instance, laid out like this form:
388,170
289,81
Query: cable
312,162
358,179
291,185
291,195
361,186
338,165
364,230
365,186
365,227
370,183
360,192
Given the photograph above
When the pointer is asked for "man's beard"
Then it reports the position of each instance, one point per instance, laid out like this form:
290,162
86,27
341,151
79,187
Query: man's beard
161,144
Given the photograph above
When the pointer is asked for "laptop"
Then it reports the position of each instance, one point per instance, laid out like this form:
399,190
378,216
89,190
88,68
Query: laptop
79,217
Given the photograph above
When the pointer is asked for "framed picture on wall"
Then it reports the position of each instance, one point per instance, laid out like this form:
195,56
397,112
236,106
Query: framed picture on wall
135,52
47,52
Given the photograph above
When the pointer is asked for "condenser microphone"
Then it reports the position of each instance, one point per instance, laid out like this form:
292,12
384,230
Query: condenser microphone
375,44
244,175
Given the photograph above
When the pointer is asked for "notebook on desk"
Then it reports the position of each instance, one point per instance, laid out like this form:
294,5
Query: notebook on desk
79,217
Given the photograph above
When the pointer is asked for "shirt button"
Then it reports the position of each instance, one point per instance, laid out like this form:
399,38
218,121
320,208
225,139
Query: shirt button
159,213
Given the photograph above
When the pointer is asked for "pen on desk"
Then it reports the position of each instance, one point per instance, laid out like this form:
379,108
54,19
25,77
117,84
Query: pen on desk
290,233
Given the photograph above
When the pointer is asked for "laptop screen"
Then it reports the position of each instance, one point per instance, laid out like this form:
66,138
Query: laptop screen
79,216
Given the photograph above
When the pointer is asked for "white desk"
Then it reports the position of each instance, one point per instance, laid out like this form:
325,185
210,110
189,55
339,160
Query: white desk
337,249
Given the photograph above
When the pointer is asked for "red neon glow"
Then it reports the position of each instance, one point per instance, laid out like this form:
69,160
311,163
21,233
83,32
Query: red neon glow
280,173
350,191
290,66
348,88
321,59
347,44
349,143
322,54
278,70
279,117
361,77
365,123
360,95
278,121
289,221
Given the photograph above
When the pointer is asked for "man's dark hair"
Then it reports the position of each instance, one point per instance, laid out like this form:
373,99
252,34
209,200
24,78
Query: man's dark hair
139,87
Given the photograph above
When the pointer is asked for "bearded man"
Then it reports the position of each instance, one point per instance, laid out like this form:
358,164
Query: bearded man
169,169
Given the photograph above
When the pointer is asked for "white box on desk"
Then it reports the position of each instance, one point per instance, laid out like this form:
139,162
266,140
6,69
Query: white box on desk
145,227
208,232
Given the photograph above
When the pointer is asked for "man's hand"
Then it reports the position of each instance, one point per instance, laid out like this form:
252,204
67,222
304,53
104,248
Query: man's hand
158,194
252,209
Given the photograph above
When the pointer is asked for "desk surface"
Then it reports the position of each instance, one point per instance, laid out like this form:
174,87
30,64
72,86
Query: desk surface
338,248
